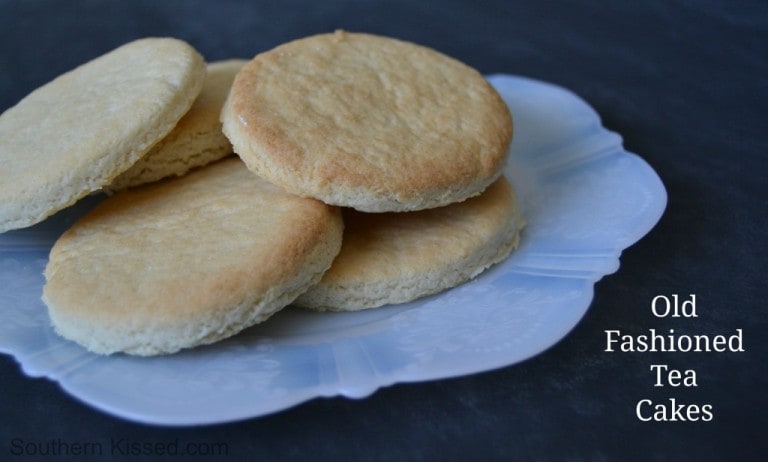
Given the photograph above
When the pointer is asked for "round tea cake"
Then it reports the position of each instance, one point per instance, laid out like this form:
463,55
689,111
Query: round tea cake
398,257
76,133
186,261
368,122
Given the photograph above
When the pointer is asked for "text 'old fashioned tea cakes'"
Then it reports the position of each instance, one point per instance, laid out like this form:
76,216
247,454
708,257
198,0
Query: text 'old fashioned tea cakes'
76,133
368,122
186,261
398,257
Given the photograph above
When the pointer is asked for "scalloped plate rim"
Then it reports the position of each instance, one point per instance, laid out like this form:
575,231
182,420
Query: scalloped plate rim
364,389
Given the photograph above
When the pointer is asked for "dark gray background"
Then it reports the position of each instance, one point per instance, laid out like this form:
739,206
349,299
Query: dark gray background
684,82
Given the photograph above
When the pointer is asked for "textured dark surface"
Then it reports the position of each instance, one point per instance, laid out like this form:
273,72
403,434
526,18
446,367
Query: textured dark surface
685,83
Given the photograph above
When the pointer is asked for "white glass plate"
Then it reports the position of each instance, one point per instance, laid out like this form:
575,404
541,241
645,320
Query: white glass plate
585,200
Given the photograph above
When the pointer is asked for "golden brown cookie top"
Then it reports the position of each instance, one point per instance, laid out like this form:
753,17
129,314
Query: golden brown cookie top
368,122
187,261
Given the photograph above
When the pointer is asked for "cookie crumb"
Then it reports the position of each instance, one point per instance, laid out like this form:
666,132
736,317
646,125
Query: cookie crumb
339,35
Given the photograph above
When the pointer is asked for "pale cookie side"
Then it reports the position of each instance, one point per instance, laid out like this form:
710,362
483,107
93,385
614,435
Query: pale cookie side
398,257
196,140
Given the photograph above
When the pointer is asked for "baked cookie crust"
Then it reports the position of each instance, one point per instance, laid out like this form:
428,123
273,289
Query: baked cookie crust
398,257
73,135
368,122
186,261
